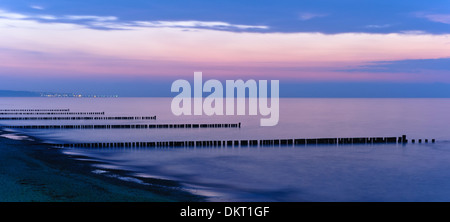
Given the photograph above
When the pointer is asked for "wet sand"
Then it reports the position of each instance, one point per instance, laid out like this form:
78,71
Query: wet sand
33,172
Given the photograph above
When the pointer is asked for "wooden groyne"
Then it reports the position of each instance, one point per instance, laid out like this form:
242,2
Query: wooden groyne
127,126
243,143
426,140
52,113
83,118
34,110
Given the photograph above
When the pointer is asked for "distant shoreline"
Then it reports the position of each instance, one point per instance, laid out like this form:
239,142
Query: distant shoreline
33,172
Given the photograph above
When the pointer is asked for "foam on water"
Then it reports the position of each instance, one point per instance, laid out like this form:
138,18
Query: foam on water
15,137
99,171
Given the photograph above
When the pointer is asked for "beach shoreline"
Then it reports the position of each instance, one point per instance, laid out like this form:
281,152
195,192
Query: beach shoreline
35,172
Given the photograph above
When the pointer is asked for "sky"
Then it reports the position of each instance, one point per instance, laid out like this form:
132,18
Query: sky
316,48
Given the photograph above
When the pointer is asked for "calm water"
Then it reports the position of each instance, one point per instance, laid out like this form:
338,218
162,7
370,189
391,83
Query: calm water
412,172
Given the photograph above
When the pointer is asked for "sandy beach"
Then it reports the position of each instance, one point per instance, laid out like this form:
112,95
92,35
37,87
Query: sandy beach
33,172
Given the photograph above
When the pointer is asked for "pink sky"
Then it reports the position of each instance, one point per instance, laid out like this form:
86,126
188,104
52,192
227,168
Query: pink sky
29,47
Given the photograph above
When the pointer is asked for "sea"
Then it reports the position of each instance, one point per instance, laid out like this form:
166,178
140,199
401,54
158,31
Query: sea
282,173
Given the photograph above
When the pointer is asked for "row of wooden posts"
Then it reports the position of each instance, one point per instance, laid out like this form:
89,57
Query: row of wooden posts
34,110
83,118
209,143
52,113
126,126
246,143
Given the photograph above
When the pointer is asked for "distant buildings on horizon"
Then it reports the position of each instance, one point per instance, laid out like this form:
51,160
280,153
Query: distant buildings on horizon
76,95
